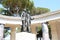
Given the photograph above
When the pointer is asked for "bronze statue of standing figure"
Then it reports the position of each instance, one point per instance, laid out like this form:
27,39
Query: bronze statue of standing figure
26,21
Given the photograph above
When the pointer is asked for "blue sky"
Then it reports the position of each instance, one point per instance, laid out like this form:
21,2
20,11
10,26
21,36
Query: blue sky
51,4
1,6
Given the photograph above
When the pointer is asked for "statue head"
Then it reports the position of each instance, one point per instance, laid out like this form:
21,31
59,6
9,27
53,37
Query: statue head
24,10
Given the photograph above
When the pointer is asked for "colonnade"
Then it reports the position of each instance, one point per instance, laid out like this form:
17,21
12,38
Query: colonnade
13,31
37,19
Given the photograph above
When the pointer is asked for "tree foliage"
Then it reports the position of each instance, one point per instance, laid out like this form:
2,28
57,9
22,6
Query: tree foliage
1,9
16,6
39,10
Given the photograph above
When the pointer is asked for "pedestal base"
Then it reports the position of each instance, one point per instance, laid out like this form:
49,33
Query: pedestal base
25,36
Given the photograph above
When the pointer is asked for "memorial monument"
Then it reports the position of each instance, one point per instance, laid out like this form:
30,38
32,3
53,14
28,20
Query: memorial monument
26,21
13,22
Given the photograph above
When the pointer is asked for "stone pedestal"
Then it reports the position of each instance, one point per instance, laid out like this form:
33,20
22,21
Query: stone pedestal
13,33
25,36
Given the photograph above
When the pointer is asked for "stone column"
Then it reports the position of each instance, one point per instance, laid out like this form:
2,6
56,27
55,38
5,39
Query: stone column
13,33
1,31
53,25
45,31
33,29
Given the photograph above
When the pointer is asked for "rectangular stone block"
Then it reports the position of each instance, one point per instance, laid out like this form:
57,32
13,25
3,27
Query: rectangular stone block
25,36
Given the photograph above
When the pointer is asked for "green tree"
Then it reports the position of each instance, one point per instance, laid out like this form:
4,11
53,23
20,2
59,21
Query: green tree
42,10
16,6
39,10
1,9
